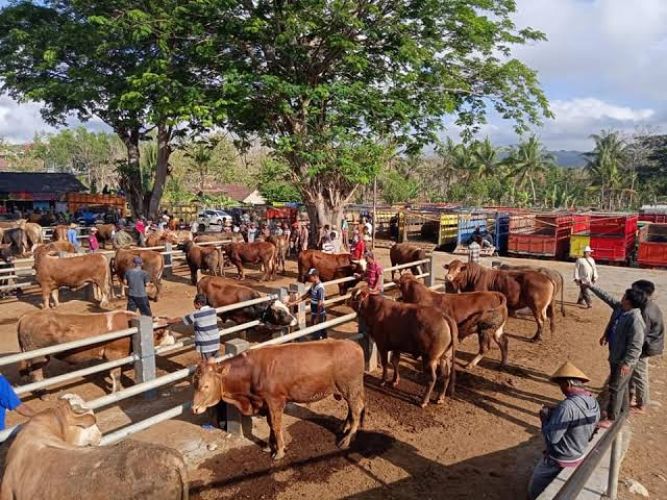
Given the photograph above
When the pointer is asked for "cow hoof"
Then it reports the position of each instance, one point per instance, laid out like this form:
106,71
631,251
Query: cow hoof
267,449
536,338
424,404
394,385
440,401
344,443
278,455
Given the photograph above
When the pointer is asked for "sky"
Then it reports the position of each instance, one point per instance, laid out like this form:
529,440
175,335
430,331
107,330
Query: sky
604,66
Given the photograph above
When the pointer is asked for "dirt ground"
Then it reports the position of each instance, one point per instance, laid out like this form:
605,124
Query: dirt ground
482,443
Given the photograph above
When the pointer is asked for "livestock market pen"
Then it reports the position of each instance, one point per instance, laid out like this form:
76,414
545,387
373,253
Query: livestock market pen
486,436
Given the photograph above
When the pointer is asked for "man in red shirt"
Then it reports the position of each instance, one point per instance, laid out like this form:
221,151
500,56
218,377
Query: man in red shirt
373,274
358,252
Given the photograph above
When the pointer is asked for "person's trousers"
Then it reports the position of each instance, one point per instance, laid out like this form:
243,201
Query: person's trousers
619,392
585,295
141,303
545,471
639,382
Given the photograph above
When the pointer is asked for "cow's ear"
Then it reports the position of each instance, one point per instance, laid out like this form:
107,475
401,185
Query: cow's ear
446,266
83,420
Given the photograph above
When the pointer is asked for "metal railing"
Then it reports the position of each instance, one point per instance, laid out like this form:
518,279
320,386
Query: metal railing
144,358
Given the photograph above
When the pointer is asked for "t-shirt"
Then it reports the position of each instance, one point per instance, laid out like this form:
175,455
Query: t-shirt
317,294
207,335
137,279
72,237
359,250
373,275
8,400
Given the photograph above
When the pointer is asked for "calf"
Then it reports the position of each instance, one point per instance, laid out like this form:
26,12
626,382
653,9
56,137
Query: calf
63,246
282,246
56,455
265,379
257,252
329,266
59,233
105,234
420,330
16,239
222,292
521,288
153,264
46,328
204,259
74,272
483,313
555,276
404,253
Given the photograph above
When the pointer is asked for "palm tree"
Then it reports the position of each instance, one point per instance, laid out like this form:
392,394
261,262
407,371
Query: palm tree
606,164
485,156
200,154
527,162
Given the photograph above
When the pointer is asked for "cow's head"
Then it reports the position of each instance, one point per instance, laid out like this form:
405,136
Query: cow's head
277,313
78,425
208,384
405,279
454,271
359,296
162,334
6,253
169,236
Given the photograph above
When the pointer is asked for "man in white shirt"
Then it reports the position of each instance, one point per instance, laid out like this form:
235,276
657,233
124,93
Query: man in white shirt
585,272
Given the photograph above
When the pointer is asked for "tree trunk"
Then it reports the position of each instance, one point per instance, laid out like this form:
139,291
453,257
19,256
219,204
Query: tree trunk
130,174
325,206
161,171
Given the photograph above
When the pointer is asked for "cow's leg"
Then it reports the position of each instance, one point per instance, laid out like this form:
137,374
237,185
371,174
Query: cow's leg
193,275
276,408
355,405
384,361
502,341
116,374
432,373
484,345
46,296
54,296
540,319
395,359
445,369
551,313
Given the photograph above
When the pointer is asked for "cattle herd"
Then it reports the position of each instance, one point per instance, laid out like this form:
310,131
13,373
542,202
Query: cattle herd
424,324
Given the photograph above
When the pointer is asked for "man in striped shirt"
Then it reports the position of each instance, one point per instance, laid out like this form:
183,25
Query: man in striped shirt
205,322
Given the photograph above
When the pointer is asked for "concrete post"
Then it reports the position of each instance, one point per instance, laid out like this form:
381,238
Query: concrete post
369,347
615,466
298,290
430,279
234,419
283,295
168,261
143,347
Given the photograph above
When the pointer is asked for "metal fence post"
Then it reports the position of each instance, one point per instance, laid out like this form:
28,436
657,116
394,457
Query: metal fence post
168,261
430,279
299,290
234,419
615,466
143,347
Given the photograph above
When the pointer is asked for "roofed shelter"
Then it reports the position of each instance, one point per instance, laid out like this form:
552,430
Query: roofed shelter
29,191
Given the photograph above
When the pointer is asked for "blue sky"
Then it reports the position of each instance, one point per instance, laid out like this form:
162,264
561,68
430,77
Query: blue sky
604,66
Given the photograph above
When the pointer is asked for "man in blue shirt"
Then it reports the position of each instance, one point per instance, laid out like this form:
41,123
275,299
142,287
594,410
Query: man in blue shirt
72,236
566,428
316,294
10,401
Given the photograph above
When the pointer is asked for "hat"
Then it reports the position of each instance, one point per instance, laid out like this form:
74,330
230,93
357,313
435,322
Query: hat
587,248
137,260
312,272
568,370
72,225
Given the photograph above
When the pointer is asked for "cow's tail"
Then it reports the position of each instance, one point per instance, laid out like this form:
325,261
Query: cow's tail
221,262
454,332
562,294
112,272
551,314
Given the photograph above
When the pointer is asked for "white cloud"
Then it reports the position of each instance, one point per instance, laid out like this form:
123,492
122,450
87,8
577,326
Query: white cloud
19,122
591,109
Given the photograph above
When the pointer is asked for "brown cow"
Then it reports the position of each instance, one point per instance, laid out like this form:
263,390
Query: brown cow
282,246
484,313
331,266
404,253
420,330
58,447
555,276
211,237
223,292
204,258
60,246
161,237
522,289
74,272
59,233
33,233
46,328
153,265
105,234
266,379
258,252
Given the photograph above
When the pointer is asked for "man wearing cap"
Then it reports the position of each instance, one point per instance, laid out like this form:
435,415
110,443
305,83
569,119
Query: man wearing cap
93,243
205,323
585,272
72,237
567,428
317,296
137,279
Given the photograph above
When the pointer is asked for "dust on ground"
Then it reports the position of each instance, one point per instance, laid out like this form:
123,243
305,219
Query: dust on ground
482,443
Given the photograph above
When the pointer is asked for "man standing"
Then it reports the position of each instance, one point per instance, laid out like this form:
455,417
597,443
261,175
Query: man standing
654,344
140,228
585,271
93,243
625,336
475,250
10,401
317,296
72,236
205,322
566,428
137,279
373,274
303,237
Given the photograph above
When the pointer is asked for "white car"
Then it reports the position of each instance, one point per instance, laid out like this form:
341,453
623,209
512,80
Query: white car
212,217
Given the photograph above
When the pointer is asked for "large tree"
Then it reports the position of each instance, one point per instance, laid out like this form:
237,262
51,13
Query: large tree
122,61
329,85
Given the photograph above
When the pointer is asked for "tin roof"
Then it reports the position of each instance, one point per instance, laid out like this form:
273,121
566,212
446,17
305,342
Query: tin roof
39,182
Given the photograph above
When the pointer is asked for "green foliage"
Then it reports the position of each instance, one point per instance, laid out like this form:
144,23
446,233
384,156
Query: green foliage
275,184
397,188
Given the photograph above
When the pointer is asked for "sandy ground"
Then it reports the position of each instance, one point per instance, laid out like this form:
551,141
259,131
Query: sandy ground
480,444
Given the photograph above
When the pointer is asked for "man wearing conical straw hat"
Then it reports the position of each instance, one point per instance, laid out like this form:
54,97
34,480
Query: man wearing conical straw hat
567,428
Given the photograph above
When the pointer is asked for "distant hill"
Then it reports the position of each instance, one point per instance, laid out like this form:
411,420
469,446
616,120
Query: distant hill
569,158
